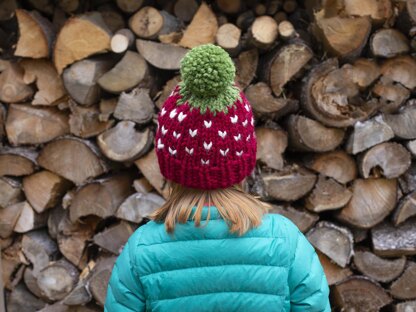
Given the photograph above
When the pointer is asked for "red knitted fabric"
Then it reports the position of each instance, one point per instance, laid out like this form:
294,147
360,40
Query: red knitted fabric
205,151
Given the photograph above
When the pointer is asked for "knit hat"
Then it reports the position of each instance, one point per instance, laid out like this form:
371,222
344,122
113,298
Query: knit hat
205,137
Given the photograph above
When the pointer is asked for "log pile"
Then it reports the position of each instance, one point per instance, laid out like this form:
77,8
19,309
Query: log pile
332,85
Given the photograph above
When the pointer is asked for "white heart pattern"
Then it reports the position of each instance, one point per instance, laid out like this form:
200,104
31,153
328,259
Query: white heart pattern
239,153
164,131
222,133
176,135
224,153
207,123
234,119
192,133
181,116
163,111
205,162
237,137
189,151
252,121
207,146
173,113
247,107
160,145
248,137
172,151
245,122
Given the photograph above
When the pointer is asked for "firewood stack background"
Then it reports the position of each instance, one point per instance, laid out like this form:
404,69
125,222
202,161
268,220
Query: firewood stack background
332,85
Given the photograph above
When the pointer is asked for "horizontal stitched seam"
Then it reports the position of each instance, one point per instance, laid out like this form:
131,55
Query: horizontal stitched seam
206,239
213,266
220,292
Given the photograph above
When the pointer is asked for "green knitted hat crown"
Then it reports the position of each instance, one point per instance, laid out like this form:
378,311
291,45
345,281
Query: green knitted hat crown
208,79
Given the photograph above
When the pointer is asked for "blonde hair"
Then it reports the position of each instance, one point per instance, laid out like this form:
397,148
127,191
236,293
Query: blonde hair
239,209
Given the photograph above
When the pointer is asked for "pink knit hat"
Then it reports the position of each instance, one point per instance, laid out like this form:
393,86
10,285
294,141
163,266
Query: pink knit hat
205,137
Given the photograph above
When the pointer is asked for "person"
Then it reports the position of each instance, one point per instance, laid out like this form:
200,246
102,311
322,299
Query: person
212,246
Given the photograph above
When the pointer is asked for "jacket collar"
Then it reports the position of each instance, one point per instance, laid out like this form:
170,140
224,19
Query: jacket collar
213,211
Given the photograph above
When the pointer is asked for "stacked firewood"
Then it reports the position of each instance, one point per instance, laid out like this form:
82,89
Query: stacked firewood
331,83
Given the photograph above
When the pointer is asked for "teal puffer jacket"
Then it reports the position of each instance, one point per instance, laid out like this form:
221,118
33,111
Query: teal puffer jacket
270,268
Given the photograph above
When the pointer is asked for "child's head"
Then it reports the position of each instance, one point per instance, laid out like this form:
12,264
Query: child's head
205,141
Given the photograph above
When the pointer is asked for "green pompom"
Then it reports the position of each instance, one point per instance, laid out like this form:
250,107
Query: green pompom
208,79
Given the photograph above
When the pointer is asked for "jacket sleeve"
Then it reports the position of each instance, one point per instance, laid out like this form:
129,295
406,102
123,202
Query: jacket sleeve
307,282
125,291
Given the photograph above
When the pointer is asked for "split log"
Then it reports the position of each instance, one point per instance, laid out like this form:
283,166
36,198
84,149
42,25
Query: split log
388,42
263,32
333,273
406,306
57,279
368,134
135,106
50,88
79,294
69,6
265,105
35,35
405,209
405,287
2,121
12,268
112,18
86,122
202,28
122,40
114,238
303,219
44,189
72,239
408,180
342,36
390,241
31,283
107,108
403,123
39,249
333,241
8,218
401,69
81,79
392,158
99,280
359,294
161,55
124,143
149,167
379,11
10,192
80,37
337,165
139,206
21,300
17,161
129,6
228,38
289,184
26,124
284,64
29,220
309,135
379,269
245,20
142,186
126,74
271,144
74,159
166,91
100,198
185,9
13,88
411,146
371,202
327,195
332,95
149,23
246,67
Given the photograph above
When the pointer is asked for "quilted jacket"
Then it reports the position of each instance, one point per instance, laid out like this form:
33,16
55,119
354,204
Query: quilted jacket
270,268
